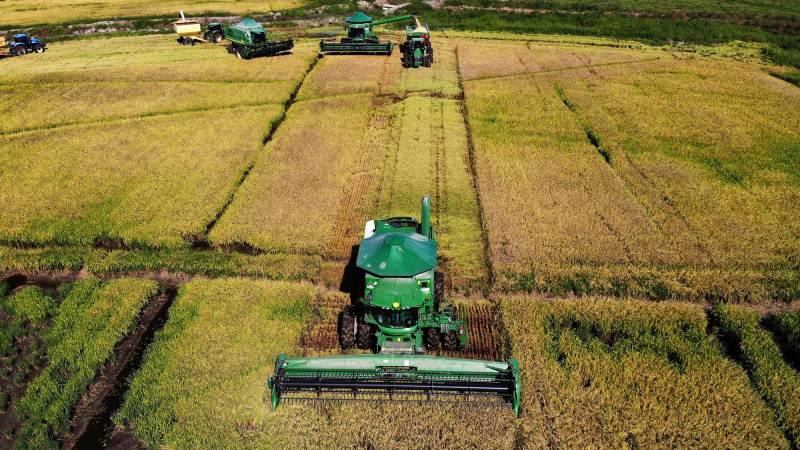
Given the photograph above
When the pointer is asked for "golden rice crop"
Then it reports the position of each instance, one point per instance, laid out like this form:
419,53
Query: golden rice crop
609,373
30,12
289,201
203,383
153,181
37,105
483,58
346,74
149,59
708,148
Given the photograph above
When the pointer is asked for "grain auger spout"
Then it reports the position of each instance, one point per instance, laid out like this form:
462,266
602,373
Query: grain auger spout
403,318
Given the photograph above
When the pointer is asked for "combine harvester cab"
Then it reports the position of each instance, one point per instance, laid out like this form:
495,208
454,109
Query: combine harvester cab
400,317
250,40
417,49
360,37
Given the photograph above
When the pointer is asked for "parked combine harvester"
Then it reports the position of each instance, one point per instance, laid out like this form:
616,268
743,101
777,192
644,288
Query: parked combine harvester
249,40
360,38
400,318
417,49
191,32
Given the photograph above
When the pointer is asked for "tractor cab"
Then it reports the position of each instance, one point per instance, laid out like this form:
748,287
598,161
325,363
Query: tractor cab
22,39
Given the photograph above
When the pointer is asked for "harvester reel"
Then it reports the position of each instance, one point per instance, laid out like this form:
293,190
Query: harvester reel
348,329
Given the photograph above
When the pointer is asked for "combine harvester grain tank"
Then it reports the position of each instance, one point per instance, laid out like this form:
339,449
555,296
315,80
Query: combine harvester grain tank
400,317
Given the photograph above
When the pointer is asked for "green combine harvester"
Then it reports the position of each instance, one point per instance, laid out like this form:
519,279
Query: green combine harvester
400,318
417,49
360,38
248,39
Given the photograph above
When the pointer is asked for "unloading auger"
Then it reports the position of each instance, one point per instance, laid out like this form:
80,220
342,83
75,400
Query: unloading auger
400,317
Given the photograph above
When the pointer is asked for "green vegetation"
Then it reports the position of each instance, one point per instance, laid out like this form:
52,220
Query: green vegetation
31,304
622,373
787,327
92,319
755,348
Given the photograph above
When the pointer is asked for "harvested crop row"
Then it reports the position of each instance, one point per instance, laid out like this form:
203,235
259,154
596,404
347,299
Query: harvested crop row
612,373
203,383
288,202
430,158
344,75
441,79
155,185
323,331
54,351
777,382
708,148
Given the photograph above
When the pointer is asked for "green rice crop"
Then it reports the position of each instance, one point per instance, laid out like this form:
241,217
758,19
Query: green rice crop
787,326
623,373
31,304
91,320
774,379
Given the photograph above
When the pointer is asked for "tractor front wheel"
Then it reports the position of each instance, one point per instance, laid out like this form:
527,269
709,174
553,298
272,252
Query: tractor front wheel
450,341
347,329
431,338
38,48
364,336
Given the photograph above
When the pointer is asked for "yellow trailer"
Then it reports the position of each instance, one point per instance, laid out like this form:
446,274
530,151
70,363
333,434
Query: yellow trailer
190,31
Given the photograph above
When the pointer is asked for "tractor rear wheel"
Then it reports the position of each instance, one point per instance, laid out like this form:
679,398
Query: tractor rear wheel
18,51
347,329
216,37
431,338
438,289
450,341
364,336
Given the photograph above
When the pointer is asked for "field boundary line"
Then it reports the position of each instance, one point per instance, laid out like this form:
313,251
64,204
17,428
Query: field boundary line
487,257
274,126
12,83
563,69
111,120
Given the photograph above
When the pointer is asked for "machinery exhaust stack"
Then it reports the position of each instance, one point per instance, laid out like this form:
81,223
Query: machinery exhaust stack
426,216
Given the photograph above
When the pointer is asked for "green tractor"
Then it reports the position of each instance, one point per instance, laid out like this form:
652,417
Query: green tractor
360,38
417,50
400,318
400,311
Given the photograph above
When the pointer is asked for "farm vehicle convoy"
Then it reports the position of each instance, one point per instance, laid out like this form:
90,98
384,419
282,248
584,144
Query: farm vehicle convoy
249,39
21,44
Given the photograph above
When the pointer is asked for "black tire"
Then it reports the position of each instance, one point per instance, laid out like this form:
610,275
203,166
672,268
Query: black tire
231,49
38,48
364,337
18,51
190,42
347,329
438,289
216,37
431,339
450,342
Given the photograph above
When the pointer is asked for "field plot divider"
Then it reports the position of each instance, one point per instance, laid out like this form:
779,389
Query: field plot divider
475,181
561,70
203,242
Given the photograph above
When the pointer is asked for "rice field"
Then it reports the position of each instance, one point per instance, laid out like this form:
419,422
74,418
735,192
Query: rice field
36,12
53,346
613,373
172,162
677,171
